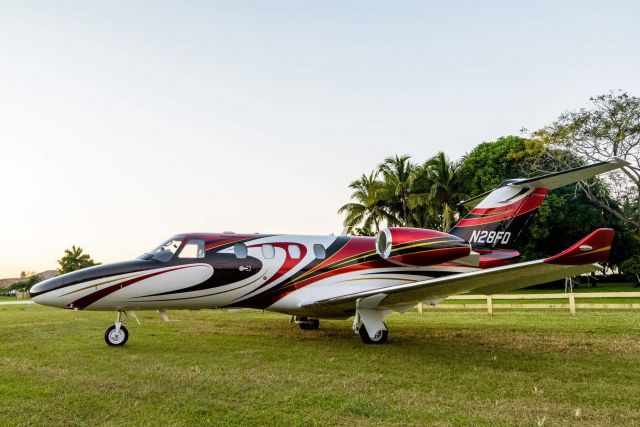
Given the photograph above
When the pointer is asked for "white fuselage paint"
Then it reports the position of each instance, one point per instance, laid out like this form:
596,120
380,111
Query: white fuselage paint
142,294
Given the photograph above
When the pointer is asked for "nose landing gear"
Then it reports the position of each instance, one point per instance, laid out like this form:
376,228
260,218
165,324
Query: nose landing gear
116,335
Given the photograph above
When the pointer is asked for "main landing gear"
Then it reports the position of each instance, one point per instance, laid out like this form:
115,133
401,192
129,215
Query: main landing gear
380,337
116,335
305,323
369,325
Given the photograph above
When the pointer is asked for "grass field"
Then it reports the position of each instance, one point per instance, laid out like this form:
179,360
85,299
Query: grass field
247,367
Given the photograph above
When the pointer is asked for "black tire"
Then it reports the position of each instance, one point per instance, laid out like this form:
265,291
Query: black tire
380,338
310,324
116,341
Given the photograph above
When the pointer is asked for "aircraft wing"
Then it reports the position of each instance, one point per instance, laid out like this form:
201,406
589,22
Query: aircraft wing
578,259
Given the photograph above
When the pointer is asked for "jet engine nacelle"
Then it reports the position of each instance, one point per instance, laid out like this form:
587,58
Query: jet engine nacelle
419,247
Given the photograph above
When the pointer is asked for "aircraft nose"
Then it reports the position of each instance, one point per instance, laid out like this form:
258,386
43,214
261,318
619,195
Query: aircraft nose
53,291
40,292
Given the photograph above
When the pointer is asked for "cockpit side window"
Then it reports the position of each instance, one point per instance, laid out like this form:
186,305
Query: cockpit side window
164,252
193,249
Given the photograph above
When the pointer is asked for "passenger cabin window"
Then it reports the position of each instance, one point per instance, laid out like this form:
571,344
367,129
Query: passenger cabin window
240,250
193,249
294,251
319,251
268,251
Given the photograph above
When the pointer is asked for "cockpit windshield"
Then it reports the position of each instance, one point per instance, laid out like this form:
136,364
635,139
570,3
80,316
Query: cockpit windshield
164,252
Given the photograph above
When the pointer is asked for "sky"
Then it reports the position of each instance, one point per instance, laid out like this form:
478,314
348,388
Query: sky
123,123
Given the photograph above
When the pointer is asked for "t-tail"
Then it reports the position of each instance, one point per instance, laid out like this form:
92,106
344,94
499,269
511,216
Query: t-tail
501,217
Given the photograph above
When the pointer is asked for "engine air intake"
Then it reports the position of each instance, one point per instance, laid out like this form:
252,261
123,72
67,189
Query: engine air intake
419,247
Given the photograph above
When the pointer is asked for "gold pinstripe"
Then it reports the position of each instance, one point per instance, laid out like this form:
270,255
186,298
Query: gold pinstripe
606,248
423,244
375,278
104,283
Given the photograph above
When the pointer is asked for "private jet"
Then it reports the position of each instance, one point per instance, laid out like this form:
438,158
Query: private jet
338,277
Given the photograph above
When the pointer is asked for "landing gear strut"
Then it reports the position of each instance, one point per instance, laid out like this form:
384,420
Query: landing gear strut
117,334
305,323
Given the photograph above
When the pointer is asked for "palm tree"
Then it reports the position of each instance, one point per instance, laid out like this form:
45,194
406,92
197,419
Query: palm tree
367,209
446,188
75,259
421,212
407,195
398,178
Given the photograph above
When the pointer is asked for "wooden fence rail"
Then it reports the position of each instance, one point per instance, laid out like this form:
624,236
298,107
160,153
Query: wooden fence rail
570,296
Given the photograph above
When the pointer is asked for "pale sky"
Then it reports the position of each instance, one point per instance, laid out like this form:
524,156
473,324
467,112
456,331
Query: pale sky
123,123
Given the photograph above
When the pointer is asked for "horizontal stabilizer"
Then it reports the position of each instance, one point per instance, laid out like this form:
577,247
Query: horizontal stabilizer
556,179
560,179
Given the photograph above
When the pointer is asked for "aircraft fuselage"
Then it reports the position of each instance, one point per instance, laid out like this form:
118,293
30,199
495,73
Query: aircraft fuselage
270,272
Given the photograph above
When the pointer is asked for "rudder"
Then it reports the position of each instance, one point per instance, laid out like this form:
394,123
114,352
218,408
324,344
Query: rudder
501,217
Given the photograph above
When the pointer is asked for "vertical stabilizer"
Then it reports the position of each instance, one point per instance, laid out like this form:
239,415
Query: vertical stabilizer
498,220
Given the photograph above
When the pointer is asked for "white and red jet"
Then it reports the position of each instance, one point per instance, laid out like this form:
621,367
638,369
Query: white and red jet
337,277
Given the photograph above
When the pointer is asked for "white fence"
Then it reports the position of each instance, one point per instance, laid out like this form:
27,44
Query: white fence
571,303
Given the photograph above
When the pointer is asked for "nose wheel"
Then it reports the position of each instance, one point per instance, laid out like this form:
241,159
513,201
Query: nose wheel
116,335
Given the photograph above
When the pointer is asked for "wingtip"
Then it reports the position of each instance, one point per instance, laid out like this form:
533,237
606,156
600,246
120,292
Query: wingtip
595,247
619,161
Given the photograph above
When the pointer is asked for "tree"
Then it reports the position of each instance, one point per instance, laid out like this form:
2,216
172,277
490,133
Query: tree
367,209
631,267
75,259
610,128
446,189
27,280
436,191
423,212
398,177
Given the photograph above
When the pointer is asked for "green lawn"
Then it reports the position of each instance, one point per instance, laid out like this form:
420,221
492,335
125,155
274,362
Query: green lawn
248,367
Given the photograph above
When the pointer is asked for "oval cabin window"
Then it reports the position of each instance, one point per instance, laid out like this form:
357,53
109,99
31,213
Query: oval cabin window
319,251
268,251
294,251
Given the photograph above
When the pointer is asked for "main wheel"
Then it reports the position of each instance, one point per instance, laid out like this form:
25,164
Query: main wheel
310,324
379,338
114,338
